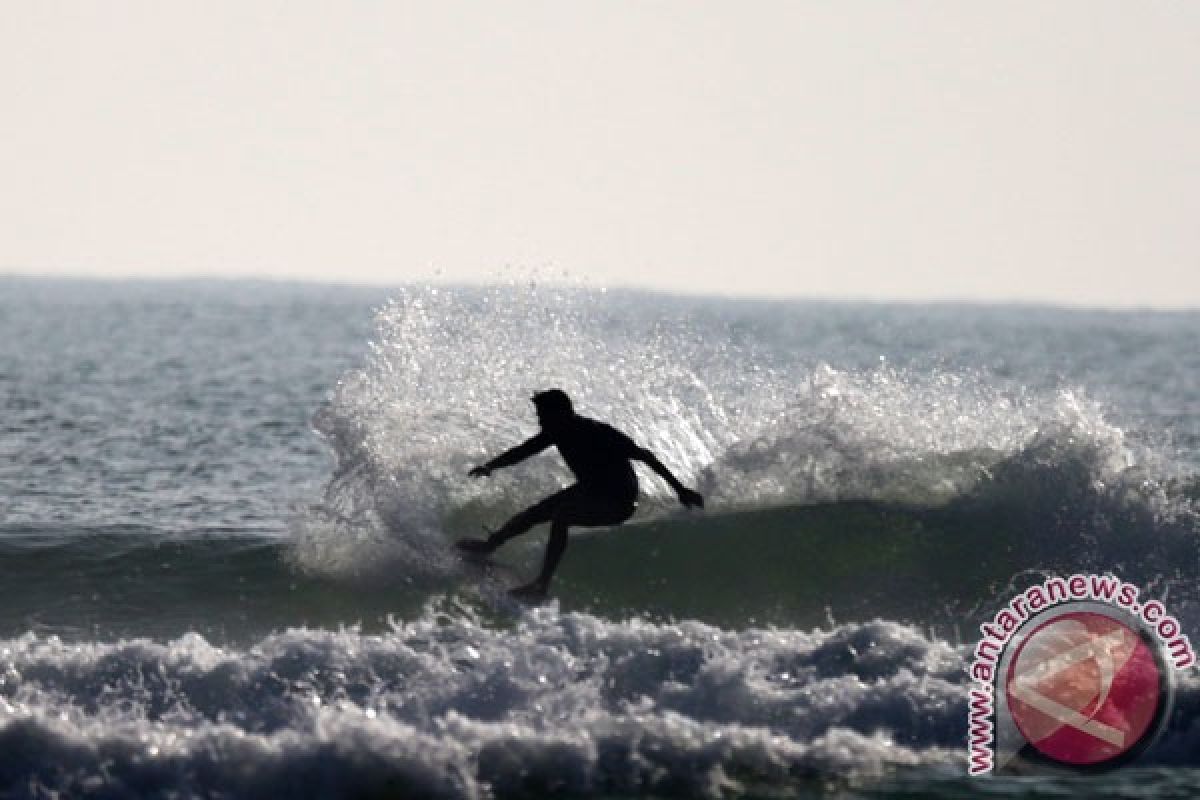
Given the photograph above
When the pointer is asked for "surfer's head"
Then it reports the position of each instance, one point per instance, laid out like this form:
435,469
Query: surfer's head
553,407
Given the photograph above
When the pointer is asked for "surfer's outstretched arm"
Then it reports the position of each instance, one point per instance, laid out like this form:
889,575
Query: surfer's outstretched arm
516,455
688,497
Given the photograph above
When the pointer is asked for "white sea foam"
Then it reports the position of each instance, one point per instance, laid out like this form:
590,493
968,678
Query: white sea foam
448,706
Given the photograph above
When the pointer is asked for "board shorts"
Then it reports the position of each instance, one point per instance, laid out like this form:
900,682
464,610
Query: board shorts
586,507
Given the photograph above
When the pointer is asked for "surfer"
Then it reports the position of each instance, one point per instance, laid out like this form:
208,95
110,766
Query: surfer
605,493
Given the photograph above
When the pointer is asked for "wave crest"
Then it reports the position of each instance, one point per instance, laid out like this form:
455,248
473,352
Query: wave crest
445,383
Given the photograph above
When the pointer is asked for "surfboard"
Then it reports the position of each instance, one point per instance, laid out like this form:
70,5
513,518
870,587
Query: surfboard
490,580
488,568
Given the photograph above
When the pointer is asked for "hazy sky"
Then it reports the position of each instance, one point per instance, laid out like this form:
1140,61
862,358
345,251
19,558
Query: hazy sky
1003,150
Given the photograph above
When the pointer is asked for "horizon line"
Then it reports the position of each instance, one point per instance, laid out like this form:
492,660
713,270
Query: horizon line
576,283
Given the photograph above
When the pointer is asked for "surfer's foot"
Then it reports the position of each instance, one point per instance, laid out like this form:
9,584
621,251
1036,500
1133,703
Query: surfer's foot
479,547
531,592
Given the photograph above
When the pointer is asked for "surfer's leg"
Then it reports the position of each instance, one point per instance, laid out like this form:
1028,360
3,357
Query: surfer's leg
536,514
581,508
555,547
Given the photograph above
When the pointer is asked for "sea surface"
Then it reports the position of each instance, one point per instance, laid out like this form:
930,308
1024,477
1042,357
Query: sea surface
226,512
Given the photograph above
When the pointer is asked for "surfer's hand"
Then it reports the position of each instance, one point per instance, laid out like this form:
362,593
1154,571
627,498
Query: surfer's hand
690,499
479,472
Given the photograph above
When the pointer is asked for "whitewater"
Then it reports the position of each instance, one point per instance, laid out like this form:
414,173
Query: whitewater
227,511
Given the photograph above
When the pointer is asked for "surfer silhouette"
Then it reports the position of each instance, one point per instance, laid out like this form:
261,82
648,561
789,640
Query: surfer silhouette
606,491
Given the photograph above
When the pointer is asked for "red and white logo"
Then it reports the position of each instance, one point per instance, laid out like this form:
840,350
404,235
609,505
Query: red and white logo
1084,688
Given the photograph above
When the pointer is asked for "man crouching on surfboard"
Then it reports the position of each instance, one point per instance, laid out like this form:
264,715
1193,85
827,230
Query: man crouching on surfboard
606,491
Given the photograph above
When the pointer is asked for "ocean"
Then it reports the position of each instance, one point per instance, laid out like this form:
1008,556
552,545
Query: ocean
226,515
